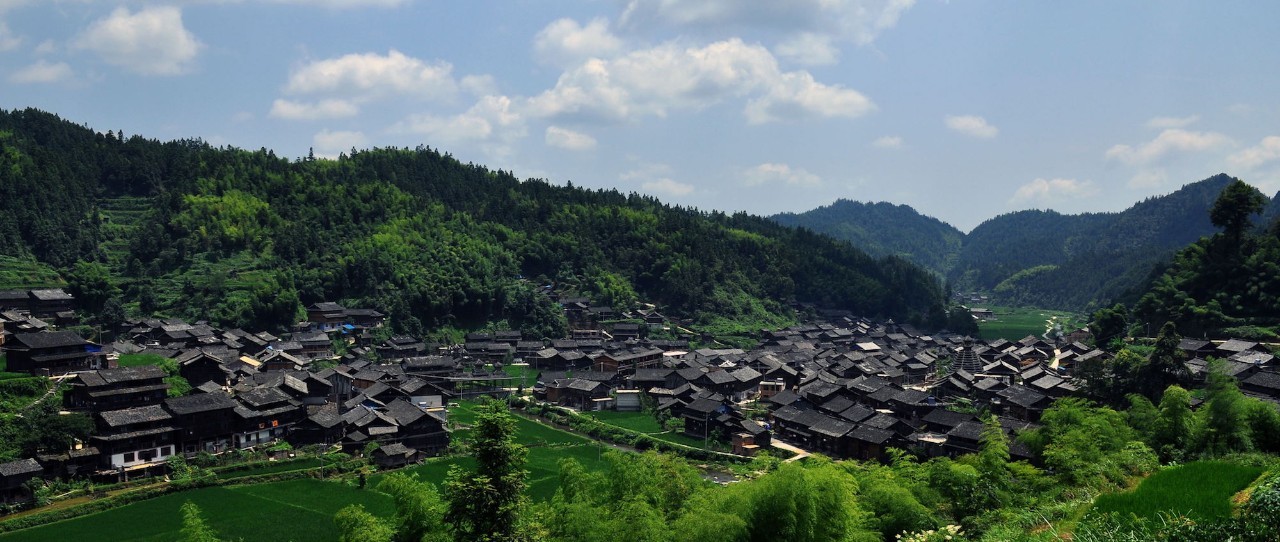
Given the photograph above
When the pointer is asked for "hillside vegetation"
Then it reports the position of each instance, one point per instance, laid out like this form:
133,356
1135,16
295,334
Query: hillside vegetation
245,238
1036,257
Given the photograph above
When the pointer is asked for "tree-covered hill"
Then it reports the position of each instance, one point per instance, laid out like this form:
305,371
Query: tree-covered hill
1037,257
246,237
884,229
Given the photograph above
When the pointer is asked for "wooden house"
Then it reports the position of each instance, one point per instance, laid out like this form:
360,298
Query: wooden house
52,353
112,389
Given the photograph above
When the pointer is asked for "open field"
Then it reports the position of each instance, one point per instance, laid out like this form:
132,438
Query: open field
304,509
1200,490
135,360
635,421
1014,323
294,510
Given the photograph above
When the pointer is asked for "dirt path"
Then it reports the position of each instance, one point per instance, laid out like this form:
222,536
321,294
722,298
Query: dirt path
800,452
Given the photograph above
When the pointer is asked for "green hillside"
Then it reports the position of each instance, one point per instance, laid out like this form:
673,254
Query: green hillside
246,238
1038,258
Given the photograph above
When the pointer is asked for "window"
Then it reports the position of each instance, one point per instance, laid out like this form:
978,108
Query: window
147,455
129,457
166,451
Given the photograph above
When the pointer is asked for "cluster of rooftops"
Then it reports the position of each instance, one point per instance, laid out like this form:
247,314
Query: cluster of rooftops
847,387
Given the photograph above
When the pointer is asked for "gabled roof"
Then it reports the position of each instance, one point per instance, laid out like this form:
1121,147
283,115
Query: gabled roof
20,467
870,435
105,377
202,402
831,427
262,397
130,416
48,339
1023,396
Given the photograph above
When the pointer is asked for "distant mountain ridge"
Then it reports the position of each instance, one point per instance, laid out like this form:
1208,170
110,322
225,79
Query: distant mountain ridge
1035,257
883,229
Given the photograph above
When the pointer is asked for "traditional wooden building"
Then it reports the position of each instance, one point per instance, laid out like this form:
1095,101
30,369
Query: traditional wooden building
52,353
123,387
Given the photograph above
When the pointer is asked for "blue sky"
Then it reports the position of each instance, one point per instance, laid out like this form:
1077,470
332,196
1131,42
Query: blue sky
963,110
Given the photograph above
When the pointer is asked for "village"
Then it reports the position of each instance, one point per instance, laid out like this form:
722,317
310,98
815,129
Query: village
843,386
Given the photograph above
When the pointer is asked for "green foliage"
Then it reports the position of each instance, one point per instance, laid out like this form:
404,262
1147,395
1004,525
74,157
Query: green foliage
1234,207
92,286
245,239
357,525
194,527
1199,491
1175,425
419,510
486,504
1109,324
1088,445
884,229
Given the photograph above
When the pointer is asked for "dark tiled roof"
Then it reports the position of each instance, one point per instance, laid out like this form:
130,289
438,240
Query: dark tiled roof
130,416
203,402
20,467
49,339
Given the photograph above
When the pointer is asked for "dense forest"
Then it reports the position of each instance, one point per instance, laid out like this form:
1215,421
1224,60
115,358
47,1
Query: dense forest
1224,284
1039,257
245,238
884,229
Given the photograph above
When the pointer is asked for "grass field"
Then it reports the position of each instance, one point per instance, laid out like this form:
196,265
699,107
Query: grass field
1014,323
294,510
303,509
1200,490
644,423
135,360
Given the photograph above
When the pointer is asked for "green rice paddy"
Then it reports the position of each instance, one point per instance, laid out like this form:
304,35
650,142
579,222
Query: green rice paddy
1014,323
1200,491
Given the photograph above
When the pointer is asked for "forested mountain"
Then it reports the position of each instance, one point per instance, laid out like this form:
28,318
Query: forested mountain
1048,259
884,229
1224,284
245,237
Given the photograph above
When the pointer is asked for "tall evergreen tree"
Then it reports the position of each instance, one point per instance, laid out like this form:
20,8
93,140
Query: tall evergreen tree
485,504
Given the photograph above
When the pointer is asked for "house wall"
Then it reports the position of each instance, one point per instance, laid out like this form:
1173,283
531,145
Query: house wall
142,456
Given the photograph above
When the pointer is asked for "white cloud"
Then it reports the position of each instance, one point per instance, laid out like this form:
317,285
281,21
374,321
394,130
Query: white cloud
565,138
479,85
46,47
324,109
152,41
1172,122
656,178
796,96
1265,151
42,72
809,49
887,142
668,187
971,125
779,173
1151,178
566,43
1169,141
653,81
1051,190
857,21
8,41
493,119
331,143
371,74
346,4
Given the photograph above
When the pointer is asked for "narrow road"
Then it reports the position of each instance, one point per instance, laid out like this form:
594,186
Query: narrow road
800,453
